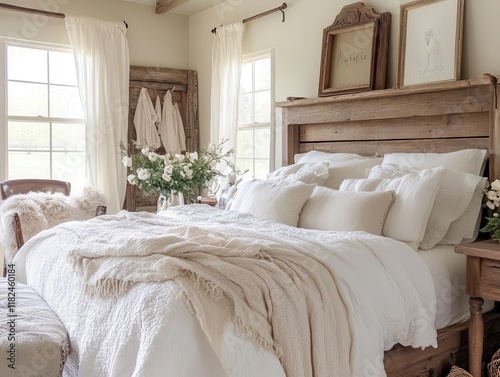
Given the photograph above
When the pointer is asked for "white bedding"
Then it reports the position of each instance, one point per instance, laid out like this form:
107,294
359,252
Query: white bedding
386,286
448,271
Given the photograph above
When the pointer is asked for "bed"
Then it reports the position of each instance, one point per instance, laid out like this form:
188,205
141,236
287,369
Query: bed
148,317
429,118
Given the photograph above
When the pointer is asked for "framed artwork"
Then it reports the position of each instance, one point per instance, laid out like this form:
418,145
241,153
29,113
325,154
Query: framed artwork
430,43
354,53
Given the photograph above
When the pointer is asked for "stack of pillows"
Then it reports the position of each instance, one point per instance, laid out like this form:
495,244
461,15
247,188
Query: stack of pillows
422,199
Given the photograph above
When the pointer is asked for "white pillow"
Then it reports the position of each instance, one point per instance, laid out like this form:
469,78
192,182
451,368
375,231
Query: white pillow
318,156
466,228
415,195
352,169
470,161
329,209
308,173
453,198
272,199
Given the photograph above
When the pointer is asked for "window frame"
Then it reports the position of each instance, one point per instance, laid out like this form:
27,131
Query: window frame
252,57
4,120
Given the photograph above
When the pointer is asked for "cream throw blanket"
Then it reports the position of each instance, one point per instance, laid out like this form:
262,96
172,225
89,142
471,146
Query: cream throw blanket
278,294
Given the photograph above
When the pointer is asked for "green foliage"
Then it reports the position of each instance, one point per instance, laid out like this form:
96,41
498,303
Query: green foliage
165,174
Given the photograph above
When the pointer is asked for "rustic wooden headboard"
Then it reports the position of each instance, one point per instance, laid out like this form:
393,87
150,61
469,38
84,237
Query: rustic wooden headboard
432,118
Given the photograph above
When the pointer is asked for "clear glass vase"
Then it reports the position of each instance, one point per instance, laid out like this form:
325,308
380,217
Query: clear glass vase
174,199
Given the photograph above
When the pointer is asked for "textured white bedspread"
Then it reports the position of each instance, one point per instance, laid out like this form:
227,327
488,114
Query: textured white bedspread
385,285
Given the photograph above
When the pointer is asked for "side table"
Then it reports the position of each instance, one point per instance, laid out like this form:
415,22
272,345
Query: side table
483,282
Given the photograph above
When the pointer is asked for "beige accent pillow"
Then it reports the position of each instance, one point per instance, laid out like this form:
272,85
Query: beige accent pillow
329,209
272,199
415,196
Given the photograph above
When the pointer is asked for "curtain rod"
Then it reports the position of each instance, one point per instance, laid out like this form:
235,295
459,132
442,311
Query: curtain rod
280,8
36,11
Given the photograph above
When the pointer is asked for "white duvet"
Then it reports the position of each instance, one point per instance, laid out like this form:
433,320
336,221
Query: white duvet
386,286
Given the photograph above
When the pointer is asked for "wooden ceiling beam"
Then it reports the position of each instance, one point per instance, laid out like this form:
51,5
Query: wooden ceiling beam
163,6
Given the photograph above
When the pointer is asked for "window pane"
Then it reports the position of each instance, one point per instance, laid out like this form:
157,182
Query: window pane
263,107
29,165
263,143
68,137
62,68
27,99
245,164
69,166
245,109
261,168
246,78
26,64
263,74
65,102
245,144
28,136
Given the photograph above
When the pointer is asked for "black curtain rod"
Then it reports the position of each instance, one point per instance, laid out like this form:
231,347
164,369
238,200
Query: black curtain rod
37,11
280,8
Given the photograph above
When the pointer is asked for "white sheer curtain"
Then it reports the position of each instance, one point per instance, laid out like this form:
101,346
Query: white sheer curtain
102,65
226,73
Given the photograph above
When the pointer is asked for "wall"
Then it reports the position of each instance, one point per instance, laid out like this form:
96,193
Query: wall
154,40
297,44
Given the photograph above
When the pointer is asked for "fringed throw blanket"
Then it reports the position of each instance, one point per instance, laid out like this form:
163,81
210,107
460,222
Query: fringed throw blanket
278,294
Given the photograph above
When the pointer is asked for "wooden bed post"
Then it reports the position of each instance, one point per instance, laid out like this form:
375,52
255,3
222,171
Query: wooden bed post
293,143
494,160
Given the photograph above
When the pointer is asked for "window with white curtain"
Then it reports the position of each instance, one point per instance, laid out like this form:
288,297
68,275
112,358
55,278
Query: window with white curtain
43,129
255,145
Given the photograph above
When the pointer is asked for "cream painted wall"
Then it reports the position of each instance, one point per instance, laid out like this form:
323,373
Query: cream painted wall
297,44
154,40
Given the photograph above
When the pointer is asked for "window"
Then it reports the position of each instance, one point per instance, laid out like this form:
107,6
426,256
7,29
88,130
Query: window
254,150
44,127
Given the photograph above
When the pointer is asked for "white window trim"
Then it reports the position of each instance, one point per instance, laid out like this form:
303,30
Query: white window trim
272,124
4,43
3,109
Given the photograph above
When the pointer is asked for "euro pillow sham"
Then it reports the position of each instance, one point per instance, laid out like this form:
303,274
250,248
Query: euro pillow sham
453,198
472,161
415,195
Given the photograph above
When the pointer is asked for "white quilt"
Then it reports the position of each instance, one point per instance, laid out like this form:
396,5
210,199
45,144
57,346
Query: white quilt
386,287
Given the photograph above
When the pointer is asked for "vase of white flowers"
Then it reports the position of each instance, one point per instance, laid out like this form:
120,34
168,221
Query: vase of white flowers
175,199
174,177
492,196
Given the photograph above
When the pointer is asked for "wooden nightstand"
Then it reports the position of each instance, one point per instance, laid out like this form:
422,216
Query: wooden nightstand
211,201
483,281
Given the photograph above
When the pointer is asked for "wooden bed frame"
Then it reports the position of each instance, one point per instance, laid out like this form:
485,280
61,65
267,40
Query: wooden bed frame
433,118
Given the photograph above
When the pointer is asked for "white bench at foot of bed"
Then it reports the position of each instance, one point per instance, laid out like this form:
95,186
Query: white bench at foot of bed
33,342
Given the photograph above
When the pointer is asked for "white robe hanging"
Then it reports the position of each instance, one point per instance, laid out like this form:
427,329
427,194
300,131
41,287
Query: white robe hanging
145,121
158,111
171,128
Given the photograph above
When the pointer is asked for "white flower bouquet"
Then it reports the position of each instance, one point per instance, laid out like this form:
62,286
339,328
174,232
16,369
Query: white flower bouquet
492,196
180,173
